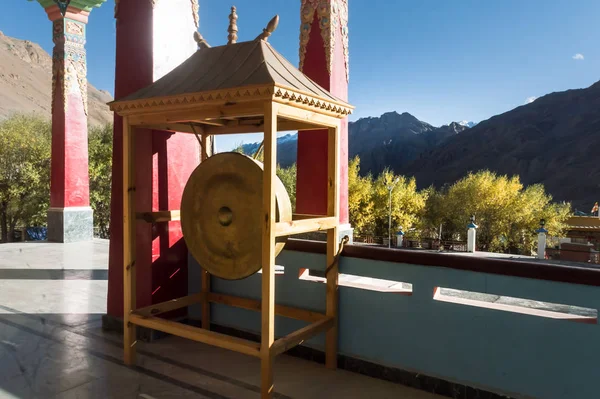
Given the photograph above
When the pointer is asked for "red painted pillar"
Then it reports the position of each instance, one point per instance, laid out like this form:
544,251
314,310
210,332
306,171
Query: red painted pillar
152,38
70,215
323,58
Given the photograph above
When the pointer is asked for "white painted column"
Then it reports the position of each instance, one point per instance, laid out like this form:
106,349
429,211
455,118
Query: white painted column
541,247
399,238
471,235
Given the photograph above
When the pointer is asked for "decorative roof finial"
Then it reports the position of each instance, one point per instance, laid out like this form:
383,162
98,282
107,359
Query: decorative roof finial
271,26
202,43
233,29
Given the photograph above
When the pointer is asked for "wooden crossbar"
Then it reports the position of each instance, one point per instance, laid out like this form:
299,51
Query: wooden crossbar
254,304
168,306
299,336
294,113
302,216
160,216
305,226
284,126
197,334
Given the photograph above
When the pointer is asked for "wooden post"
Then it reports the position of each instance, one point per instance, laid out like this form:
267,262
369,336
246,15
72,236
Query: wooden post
333,208
129,294
268,252
205,274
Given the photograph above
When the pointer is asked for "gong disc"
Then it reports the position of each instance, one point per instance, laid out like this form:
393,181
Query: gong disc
221,210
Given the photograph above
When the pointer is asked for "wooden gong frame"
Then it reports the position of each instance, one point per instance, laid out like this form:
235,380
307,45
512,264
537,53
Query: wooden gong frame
269,109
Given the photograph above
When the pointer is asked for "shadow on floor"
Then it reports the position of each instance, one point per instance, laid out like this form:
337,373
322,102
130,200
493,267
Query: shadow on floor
53,274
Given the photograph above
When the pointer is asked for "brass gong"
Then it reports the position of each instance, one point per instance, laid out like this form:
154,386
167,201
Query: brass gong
221,215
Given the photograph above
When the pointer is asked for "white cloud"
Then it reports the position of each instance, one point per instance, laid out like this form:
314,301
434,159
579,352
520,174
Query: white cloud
578,57
531,99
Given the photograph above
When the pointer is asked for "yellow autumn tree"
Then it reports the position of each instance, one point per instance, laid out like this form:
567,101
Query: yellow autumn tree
507,213
360,199
407,203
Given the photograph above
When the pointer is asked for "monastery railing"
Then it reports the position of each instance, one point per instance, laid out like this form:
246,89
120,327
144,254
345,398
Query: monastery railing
505,326
416,243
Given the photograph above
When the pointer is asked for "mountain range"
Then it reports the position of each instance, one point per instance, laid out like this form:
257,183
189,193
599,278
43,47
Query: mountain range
389,140
467,123
552,141
26,82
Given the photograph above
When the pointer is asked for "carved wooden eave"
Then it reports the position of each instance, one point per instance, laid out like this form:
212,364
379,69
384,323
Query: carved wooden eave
224,98
226,76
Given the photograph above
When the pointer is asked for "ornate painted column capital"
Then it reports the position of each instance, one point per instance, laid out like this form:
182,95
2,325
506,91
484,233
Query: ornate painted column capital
73,9
333,21
69,66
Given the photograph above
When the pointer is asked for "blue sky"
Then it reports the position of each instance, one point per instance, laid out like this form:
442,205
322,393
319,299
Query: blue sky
440,60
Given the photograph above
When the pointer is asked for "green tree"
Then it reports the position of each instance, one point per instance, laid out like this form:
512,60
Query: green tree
286,175
507,213
238,148
288,178
24,172
490,198
431,223
360,199
407,202
100,147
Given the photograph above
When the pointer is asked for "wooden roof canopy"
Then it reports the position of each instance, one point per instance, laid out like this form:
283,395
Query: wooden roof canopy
224,90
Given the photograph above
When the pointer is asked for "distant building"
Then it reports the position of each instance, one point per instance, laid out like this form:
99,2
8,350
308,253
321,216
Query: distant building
582,241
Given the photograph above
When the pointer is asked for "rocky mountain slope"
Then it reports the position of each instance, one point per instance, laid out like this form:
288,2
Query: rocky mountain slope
394,140
552,141
467,123
26,82
391,140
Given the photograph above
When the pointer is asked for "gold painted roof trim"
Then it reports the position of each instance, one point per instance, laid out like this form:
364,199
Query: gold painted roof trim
240,72
275,93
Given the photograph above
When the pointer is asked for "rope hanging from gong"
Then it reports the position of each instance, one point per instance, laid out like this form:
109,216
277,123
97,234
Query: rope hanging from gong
204,152
336,258
258,151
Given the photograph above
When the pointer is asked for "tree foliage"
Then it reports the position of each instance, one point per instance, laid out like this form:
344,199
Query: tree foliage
100,142
288,178
286,175
507,214
369,201
24,172
407,203
360,199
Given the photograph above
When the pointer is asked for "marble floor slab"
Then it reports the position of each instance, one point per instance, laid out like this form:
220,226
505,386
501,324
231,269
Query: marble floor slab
52,298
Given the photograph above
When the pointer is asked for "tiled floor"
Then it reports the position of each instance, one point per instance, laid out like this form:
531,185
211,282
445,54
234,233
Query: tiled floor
52,297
